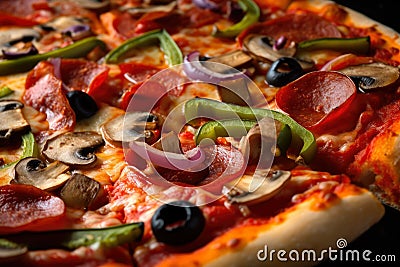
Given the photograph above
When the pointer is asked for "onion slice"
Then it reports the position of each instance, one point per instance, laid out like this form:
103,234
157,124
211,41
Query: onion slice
196,70
206,4
343,61
190,161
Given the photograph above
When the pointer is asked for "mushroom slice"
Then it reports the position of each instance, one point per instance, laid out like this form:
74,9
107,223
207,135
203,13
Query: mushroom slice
95,5
82,192
169,142
233,59
11,119
260,47
131,126
140,10
261,186
63,22
14,35
372,75
75,149
33,171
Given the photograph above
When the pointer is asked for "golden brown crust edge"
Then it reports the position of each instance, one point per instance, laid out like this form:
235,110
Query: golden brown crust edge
358,19
302,227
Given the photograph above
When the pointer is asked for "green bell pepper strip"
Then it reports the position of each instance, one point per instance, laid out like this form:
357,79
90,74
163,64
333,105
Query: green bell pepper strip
171,50
360,45
252,15
223,128
29,149
197,107
238,128
5,91
78,49
75,238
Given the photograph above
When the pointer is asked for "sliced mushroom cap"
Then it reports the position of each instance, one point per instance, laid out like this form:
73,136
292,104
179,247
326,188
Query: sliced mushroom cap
261,47
268,138
82,192
11,119
95,5
15,35
62,23
140,10
75,149
33,171
373,75
233,59
263,185
128,127
169,143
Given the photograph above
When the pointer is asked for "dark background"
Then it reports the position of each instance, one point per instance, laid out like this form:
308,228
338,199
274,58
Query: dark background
384,11
384,237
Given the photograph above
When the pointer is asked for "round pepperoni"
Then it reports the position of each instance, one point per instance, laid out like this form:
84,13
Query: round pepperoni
25,207
319,100
295,27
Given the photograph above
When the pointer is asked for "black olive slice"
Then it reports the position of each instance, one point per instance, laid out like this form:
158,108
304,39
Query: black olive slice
177,223
83,104
278,78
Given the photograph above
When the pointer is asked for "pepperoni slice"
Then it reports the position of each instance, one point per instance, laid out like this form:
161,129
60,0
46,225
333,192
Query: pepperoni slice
295,27
44,92
25,207
319,101
83,75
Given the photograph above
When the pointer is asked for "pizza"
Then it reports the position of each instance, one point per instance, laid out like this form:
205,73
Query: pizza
193,132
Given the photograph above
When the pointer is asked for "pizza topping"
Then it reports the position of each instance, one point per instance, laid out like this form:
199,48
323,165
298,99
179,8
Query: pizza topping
74,238
177,223
259,142
253,189
33,171
372,75
205,72
8,38
77,32
233,59
190,161
62,24
22,51
29,148
83,104
206,4
82,192
311,26
264,48
129,127
10,250
317,99
95,5
358,45
202,107
78,49
5,91
251,16
171,50
73,148
12,120
25,207
141,10
223,128
278,76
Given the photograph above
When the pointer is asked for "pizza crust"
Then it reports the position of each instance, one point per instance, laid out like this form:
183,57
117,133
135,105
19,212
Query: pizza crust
356,18
317,223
